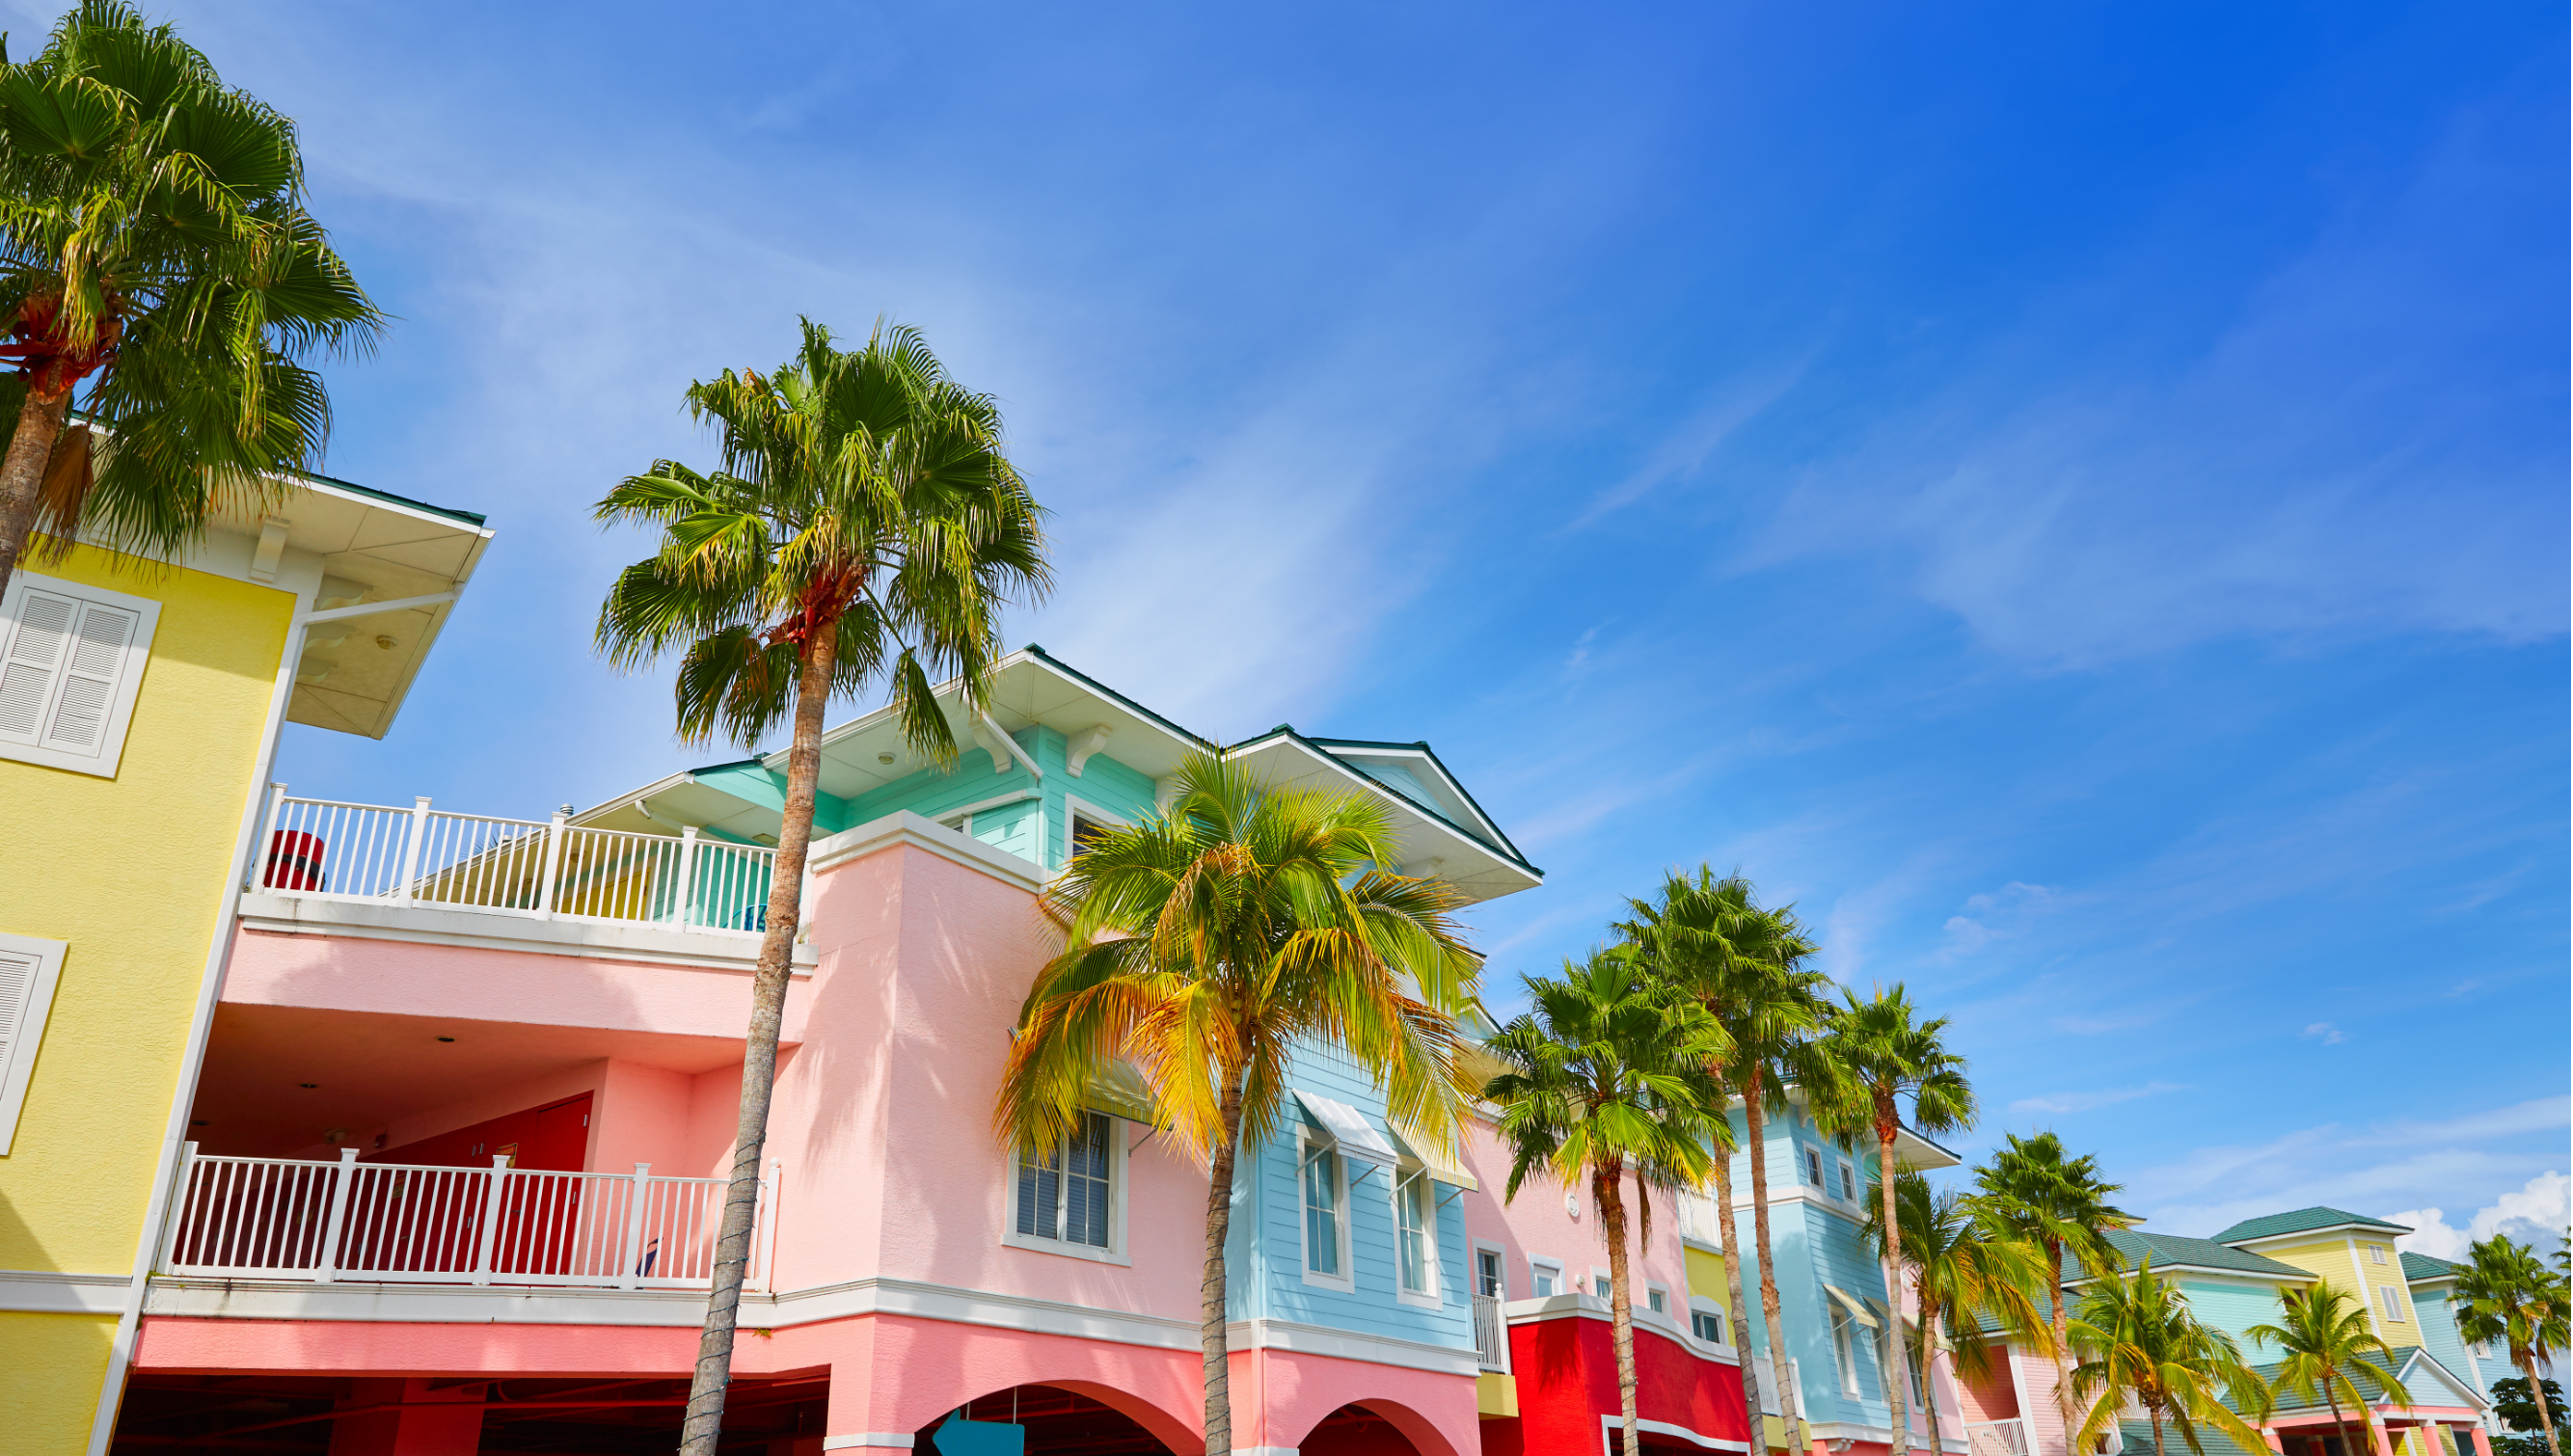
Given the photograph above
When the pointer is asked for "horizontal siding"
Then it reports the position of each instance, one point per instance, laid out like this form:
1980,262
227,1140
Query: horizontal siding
2234,1308
1106,784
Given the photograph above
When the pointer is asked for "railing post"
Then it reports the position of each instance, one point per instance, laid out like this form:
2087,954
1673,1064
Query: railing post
412,847
631,1269
491,1215
763,1230
687,870
326,1268
178,1211
265,846
554,862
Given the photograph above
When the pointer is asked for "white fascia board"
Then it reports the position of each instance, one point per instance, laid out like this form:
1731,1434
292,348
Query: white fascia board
2387,1233
1426,816
1422,758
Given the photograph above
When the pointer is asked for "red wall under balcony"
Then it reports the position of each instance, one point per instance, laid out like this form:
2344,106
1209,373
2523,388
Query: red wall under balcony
555,1137
1566,1369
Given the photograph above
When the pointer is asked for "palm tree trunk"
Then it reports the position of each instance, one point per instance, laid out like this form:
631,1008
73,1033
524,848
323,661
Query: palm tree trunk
1900,1378
1930,1329
704,1424
2063,1336
2537,1392
1213,1312
2340,1428
22,475
1790,1401
1741,1312
1611,1200
2156,1413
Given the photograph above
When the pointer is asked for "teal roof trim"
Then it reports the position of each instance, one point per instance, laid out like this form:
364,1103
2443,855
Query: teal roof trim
1507,849
467,516
1103,689
2303,1220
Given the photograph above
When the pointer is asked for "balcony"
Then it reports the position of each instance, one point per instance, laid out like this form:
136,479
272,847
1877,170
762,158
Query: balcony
322,1223
1491,1333
375,855
1997,1438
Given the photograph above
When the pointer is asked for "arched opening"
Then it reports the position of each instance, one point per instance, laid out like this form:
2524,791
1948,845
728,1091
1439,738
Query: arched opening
1355,1430
1056,1421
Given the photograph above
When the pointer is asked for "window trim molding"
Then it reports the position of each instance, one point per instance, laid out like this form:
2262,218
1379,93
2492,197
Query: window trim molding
1346,1280
1077,807
1115,1252
1650,1289
1853,1191
1476,1249
20,1070
1539,1261
1813,1168
1434,1296
1701,1304
129,682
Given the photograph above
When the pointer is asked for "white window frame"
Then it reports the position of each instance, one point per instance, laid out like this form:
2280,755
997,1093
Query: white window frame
1699,1304
1550,1270
1431,1295
1850,1185
1814,1167
2394,1300
1664,1308
1308,1142
1501,1266
1845,1350
1601,1288
2377,1255
1115,1252
1076,807
135,657
42,962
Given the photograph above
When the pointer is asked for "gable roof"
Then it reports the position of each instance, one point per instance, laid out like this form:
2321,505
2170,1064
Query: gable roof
2417,1267
2172,1253
2427,1381
2303,1220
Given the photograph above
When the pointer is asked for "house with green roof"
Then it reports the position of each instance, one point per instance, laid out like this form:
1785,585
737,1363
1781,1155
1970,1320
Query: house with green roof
2434,1285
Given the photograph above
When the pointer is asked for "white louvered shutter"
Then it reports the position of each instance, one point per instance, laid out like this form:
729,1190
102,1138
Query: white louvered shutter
70,658
29,970
17,978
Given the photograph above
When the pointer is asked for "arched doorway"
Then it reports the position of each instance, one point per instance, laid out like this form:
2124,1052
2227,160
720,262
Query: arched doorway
1057,1422
1355,1430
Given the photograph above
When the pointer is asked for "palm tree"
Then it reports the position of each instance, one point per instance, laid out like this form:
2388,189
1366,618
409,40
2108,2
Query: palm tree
156,252
2060,1204
1885,1056
1205,947
1608,1075
1743,964
1963,1270
2507,1297
2323,1338
864,525
2146,1349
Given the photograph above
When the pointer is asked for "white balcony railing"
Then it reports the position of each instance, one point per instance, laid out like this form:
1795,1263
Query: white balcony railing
276,1218
373,854
1491,1333
1997,1438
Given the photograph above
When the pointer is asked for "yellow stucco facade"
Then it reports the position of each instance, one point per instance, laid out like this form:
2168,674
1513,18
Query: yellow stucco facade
129,872
2359,1263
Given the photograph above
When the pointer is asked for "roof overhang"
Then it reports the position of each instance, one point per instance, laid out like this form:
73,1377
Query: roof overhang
1430,842
2388,1231
357,668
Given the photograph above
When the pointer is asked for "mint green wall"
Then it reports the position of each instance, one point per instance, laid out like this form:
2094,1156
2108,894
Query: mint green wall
2439,1336
1034,829
2234,1308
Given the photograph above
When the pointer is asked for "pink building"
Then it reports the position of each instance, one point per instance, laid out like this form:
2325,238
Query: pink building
471,1083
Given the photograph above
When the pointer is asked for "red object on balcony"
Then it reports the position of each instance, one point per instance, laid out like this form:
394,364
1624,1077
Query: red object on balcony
294,861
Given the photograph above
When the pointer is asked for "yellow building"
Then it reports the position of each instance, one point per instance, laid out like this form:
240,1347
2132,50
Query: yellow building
140,708
2349,1251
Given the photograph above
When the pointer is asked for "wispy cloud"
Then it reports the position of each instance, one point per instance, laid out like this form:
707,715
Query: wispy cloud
2083,1101
2323,1031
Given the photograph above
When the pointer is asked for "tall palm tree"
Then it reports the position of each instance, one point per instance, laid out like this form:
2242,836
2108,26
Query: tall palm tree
2060,1204
1608,1075
2507,1297
1884,1055
156,259
1963,1270
2323,1338
1203,947
865,526
1743,964
2144,1348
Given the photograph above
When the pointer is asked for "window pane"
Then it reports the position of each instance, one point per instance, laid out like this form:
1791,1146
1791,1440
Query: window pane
1323,1211
1039,1196
1086,1183
1412,1246
1659,1301
1545,1277
1489,1264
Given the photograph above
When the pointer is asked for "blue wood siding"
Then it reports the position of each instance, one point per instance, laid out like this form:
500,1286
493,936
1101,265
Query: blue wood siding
2234,1308
1817,1241
2439,1336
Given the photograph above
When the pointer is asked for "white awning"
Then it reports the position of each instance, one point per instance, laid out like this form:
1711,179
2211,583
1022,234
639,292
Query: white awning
1117,1087
1358,1142
1445,1167
1856,1309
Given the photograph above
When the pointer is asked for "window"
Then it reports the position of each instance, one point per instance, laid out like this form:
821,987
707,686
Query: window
1813,1167
1545,1277
29,970
1657,1300
1415,1228
71,658
1084,831
2376,1253
1488,1273
1067,1194
1326,1230
1844,1353
2394,1302
1600,1287
1707,1323
1084,824
1849,1182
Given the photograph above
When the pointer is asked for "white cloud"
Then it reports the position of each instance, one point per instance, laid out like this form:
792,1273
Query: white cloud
1999,915
2533,1214
2083,1101
2324,1032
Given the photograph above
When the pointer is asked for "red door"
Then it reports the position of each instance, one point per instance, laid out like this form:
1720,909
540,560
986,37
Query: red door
438,1225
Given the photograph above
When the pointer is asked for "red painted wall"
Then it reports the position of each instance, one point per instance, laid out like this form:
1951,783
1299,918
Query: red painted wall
554,1138
1566,1371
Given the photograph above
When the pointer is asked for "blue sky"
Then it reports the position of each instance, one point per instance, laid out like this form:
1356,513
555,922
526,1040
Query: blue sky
2070,495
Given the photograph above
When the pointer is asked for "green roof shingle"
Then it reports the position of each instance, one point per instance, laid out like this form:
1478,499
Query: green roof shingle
2270,1226
2169,1250
2417,1267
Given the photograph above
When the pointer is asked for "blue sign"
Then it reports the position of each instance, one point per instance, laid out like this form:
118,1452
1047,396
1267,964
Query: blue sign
961,1437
